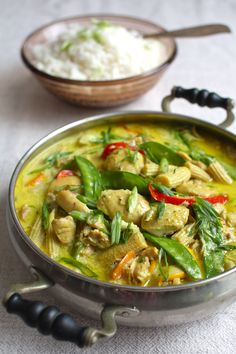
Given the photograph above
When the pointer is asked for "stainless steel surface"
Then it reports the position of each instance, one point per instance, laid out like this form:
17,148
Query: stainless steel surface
227,122
109,326
196,31
157,305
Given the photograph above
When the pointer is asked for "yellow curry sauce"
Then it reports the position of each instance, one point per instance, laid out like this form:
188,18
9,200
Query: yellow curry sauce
141,232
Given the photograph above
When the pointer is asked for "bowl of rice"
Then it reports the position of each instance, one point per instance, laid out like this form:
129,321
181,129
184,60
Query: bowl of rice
98,60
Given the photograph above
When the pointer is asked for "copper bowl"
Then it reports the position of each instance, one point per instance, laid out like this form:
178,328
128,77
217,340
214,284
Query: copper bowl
97,93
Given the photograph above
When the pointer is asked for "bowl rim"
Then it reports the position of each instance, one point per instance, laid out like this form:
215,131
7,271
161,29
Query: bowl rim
124,80
80,123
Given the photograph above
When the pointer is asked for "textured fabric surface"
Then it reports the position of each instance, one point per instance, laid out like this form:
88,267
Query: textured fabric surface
27,113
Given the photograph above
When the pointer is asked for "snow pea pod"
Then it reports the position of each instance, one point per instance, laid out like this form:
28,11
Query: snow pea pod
124,180
91,178
156,151
179,253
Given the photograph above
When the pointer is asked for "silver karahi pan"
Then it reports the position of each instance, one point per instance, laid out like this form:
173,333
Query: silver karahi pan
126,305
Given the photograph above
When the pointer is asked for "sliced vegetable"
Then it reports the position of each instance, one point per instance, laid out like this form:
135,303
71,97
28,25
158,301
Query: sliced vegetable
106,137
65,173
164,165
176,200
156,151
45,215
90,203
92,183
179,253
124,180
112,147
52,160
77,264
79,215
160,209
133,200
116,228
125,234
230,169
211,234
163,272
217,199
37,234
36,180
118,270
172,199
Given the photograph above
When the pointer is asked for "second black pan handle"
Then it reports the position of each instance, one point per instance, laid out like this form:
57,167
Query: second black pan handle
202,98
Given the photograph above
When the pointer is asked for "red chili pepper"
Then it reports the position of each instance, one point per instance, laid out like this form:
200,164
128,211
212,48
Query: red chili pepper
119,145
179,200
65,173
168,198
141,152
217,199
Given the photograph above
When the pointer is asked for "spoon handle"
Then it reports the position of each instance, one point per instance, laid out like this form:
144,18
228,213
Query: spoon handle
198,31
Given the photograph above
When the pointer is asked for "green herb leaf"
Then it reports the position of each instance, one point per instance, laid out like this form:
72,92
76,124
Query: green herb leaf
125,235
79,215
107,137
229,247
52,160
211,235
160,209
102,24
98,37
116,228
82,267
160,256
133,200
45,216
163,189
90,203
66,46
164,165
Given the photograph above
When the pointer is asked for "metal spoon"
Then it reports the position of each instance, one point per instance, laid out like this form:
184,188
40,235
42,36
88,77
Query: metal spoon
198,31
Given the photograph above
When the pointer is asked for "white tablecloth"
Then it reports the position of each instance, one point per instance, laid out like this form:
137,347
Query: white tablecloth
27,113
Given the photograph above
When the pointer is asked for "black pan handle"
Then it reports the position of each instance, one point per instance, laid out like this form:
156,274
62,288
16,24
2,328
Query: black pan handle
47,319
50,320
202,98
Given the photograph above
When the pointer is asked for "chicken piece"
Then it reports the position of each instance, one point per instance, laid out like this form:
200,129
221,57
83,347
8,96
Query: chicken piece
63,182
138,270
150,252
173,219
68,201
125,160
136,243
195,187
174,177
94,237
64,229
112,201
186,234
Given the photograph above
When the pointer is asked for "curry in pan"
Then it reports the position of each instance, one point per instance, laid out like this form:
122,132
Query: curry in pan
151,205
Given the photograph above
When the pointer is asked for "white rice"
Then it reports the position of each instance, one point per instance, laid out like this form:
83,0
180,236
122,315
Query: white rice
101,51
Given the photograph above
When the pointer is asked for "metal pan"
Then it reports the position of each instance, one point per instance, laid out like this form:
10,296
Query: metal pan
129,305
